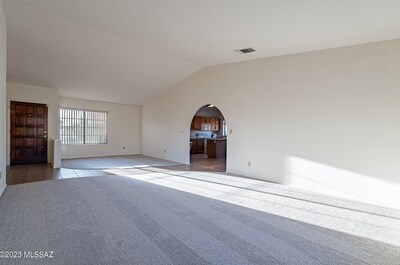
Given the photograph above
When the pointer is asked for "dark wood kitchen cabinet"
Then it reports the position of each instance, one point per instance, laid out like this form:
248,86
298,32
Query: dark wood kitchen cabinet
196,123
198,120
215,124
216,148
197,146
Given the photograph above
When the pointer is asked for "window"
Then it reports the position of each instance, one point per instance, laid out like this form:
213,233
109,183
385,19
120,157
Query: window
224,128
83,126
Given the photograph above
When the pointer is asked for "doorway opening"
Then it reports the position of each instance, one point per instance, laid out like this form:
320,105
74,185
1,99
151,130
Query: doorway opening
208,140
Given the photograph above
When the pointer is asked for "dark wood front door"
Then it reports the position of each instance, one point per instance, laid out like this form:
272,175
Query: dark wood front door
28,135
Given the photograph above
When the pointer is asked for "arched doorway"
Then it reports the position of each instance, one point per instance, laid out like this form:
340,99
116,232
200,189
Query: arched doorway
208,140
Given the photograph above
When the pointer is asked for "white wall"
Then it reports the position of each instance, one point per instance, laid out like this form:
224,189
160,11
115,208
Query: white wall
123,121
34,94
331,118
123,129
3,101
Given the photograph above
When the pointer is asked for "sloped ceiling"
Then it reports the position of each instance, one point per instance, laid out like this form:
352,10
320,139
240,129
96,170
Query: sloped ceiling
127,51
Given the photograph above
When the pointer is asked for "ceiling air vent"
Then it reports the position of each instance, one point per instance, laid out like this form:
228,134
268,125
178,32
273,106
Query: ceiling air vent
245,50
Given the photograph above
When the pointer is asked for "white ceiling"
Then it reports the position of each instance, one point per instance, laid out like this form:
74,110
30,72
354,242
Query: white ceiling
128,51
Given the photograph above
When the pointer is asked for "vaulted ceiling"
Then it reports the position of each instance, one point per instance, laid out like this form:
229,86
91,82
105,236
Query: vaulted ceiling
128,51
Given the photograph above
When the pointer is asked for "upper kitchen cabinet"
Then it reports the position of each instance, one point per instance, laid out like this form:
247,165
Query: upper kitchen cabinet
196,123
213,124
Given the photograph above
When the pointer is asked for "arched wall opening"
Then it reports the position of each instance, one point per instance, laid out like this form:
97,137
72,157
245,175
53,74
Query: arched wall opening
208,140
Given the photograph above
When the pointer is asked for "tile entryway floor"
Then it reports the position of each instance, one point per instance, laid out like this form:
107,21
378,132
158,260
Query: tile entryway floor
200,162
19,174
123,165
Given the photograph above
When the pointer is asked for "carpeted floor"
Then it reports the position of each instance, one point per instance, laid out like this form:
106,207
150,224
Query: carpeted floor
124,220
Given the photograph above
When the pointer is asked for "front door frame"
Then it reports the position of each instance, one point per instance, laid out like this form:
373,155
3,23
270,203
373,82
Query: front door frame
12,133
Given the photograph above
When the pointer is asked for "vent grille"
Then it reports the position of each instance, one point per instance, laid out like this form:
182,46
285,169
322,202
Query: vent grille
245,50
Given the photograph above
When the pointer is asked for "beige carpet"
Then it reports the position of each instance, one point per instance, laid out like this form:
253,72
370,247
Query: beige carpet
128,220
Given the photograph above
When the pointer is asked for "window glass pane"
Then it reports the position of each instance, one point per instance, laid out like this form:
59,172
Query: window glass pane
82,127
71,126
96,128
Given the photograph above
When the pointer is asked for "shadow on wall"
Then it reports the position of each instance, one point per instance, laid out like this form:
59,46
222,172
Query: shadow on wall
318,177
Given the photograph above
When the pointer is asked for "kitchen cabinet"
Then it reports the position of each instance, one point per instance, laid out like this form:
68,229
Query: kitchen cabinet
212,122
198,120
197,146
216,148
215,124
196,123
